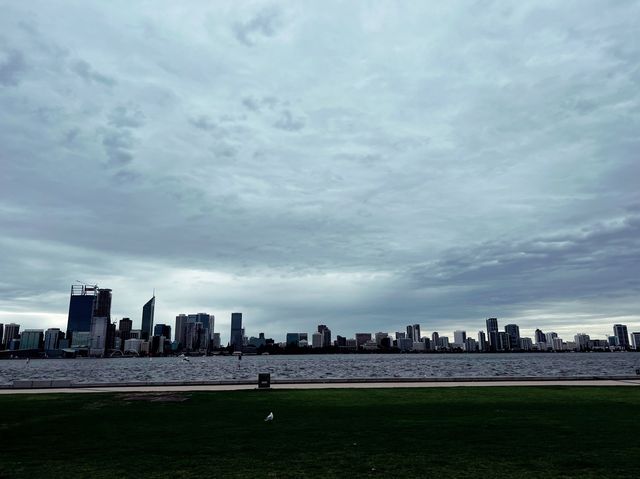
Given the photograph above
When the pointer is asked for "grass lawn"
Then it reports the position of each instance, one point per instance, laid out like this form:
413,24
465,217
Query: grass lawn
475,432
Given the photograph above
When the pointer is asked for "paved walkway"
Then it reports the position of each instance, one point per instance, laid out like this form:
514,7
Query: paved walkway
372,385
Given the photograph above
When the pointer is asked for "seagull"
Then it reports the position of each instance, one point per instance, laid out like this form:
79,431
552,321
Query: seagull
186,359
269,417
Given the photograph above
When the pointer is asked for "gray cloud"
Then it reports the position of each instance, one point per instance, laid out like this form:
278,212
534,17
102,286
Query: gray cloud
118,144
85,71
264,23
288,122
123,117
12,66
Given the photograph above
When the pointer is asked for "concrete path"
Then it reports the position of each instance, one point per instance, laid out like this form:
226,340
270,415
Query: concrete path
368,385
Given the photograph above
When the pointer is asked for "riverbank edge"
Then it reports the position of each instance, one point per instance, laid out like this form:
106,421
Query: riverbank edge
61,384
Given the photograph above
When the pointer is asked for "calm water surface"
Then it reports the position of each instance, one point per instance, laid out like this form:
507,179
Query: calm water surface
320,367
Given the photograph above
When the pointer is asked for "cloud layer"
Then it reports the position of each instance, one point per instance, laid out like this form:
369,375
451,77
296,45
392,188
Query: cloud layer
359,165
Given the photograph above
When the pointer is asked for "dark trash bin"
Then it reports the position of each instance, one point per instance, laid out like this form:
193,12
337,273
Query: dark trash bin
264,380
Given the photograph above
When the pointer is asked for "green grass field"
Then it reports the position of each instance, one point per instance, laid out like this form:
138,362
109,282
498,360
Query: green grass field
453,432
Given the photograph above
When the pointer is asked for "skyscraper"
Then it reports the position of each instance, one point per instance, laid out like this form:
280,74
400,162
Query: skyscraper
410,332
103,304
162,330
81,306
11,331
620,332
52,337
147,318
540,336
236,339
514,335
492,333
180,331
482,341
459,337
31,339
416,333
326,335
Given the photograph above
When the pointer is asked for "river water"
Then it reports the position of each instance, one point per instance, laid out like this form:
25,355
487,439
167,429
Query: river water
339,366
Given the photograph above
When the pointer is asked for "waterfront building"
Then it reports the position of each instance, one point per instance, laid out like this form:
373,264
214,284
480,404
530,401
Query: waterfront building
162,330
482,342
133,345
215,341
370,345
32,339
492,333
416,333
542,346
549,338
103,304
237,333
316,340
599,344
620,332
410,332
13,345
427,343
82,303
443,342
557,344
148,311
459,337
259,341
380,336
135,334
293,339
400,335
181,325
52,337
81,339
207,321
1,336
341,341
98,339
503,341
470,345
419,346
613,341
405,344
635,341
362,338
351,343
514,335
435,340
540,337
11,331
582,341
326,335
526,344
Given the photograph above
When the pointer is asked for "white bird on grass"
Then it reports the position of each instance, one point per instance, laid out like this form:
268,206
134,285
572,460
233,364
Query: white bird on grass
269,417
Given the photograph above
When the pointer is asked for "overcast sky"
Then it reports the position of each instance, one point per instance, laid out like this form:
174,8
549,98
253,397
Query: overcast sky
365,165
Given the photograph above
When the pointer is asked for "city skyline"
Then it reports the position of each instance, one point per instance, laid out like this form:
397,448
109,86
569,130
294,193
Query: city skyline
363,166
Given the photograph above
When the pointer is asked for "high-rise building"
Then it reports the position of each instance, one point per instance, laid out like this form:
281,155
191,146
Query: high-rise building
582,341
32,339
549,337
635,341
435,340
98,337
148,311
410,333
459,338
180,331
620,331
514,335
316,340
11,331
1,336
379,337
125,325
82,303
293,339
492,333
526,344
237,335
103,304
215,341
362,338
540,336
341,341
470,345
52,337
162,330
417,337
482,341
326,335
